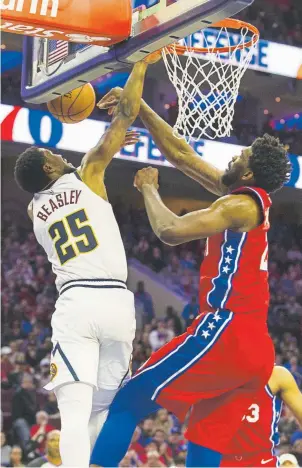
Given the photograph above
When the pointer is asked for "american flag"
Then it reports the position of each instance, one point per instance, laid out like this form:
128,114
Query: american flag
57,50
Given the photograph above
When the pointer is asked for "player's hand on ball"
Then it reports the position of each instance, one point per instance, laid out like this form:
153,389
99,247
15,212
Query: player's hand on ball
146,176
111,99
132,137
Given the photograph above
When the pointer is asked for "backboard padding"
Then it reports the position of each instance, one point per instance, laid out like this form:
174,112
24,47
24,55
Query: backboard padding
165,25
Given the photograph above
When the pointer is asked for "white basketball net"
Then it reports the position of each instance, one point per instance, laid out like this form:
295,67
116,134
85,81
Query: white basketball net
207,85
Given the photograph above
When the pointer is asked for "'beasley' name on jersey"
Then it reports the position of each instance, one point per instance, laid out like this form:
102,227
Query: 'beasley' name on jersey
56,202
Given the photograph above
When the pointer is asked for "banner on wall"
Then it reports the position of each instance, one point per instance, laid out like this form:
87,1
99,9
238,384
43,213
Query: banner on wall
35,127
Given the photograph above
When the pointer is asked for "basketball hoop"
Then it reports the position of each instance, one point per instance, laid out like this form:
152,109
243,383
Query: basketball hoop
207,78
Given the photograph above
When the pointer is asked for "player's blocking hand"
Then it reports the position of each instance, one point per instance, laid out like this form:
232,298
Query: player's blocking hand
110,99
146,176
132,137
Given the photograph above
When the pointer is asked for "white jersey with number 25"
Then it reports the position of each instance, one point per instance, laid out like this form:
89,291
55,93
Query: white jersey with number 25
78,231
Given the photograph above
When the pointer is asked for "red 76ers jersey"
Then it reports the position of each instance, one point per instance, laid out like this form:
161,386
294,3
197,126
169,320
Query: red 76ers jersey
234,273
258,431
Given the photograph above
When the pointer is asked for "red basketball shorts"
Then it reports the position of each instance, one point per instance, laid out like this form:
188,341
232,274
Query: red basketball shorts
213,370
263,459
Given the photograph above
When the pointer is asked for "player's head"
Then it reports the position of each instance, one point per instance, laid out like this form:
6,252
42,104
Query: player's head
265,164
37,167
53,444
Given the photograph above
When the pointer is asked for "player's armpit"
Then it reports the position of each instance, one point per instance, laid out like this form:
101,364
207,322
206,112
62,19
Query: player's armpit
290,393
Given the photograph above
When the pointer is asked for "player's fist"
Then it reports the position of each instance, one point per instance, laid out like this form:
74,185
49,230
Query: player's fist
146,176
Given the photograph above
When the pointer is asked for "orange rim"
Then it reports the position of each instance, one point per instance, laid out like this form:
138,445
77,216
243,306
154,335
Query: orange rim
226,23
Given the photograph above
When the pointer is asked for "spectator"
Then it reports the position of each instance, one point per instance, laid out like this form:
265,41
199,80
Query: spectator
180,462
147,431
142,250
21,367
135,445
295,369
43,373
15,332
131,459
160,437
24,408
39,431
172,315
16,457
52,456
51,406
175,441
160,336
287,459
190,311
154,459
157,263
296,442
188,261
5,450
163,421
146,300
6,365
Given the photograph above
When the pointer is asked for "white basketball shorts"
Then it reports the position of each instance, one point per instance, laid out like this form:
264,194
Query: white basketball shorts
93,330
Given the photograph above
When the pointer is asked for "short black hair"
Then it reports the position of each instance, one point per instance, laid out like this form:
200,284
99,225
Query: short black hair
29,172
270,163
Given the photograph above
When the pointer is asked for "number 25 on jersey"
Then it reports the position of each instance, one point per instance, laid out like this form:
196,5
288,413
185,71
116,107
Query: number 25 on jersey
72,236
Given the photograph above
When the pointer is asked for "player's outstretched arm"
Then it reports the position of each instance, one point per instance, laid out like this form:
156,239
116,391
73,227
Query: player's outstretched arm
179,153
97,159
237,212
289,392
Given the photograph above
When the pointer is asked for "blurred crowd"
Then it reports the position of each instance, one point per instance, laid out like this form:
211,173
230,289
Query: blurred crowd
277,20
30,414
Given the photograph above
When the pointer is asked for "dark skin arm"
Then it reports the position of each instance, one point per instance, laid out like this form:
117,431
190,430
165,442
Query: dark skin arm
237,212
177,151
98,158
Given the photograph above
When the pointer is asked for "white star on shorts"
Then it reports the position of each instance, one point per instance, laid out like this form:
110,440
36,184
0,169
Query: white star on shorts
228,259
230,249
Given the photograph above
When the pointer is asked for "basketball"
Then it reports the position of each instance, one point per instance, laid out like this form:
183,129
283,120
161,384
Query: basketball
75,106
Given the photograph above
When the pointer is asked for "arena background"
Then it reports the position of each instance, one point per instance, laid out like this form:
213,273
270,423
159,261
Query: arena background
270,100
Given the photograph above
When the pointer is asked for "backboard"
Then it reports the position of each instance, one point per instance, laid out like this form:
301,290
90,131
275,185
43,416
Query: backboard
52,68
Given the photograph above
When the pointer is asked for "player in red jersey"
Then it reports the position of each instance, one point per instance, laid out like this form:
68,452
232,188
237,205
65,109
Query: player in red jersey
254,443
216,359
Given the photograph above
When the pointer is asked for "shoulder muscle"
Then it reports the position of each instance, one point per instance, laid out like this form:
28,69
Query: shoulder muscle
242,211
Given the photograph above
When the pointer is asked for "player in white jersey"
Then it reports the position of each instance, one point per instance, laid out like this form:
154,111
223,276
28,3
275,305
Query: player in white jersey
94,319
